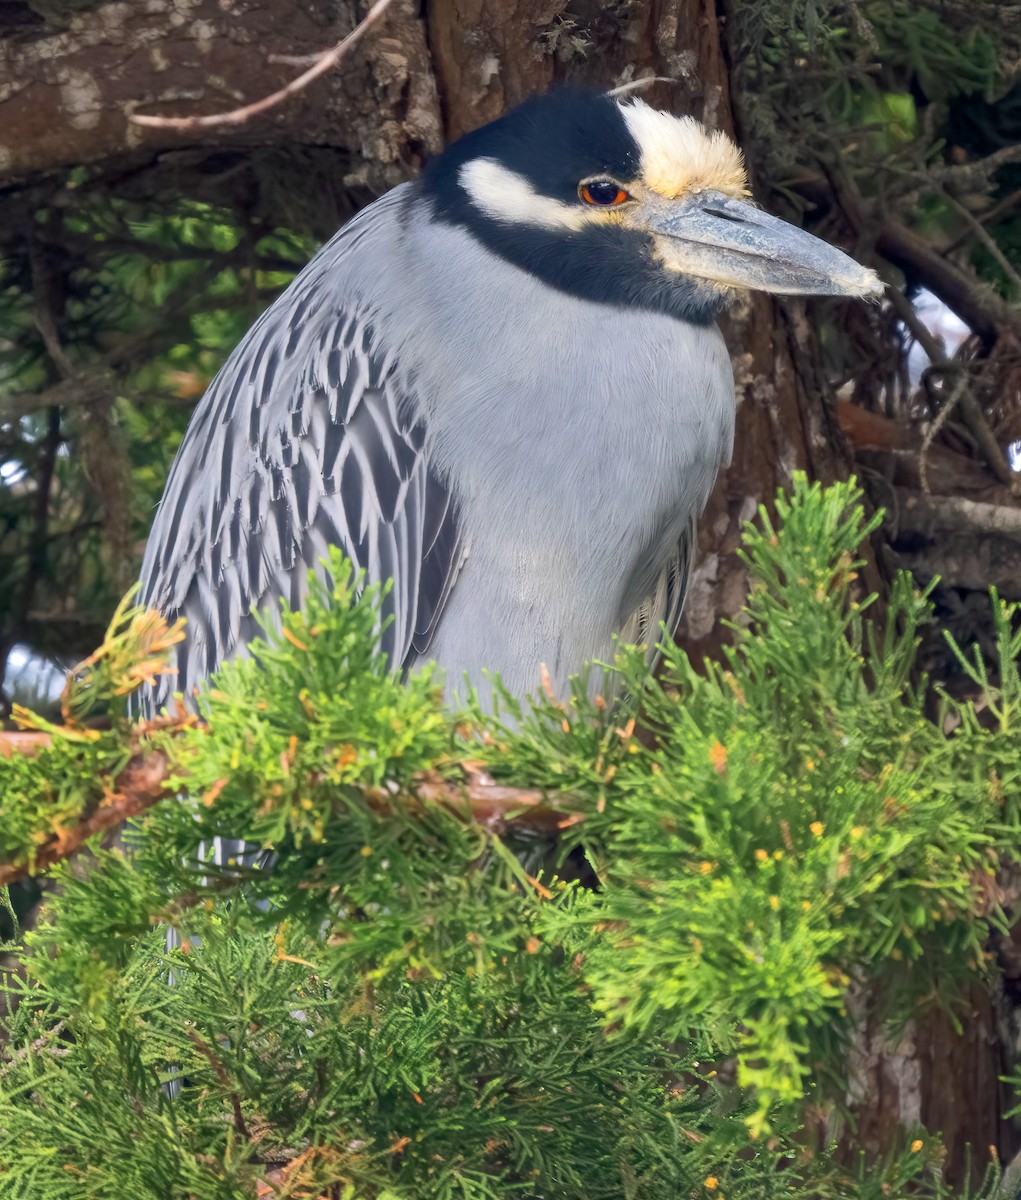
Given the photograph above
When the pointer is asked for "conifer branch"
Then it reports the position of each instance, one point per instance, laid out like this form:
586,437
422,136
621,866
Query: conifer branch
141,784
144,782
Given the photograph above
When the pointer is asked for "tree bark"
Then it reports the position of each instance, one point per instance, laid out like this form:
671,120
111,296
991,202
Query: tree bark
67,91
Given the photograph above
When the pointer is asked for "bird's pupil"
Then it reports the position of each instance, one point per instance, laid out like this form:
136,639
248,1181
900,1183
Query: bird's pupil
603,191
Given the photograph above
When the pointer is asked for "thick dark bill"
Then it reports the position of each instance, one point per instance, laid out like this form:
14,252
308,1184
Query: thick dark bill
729,241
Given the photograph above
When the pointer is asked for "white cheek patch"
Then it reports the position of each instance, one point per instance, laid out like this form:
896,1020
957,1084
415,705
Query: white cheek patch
506,196
679,155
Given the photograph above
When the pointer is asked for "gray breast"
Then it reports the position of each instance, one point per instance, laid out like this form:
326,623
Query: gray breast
525,464
580,439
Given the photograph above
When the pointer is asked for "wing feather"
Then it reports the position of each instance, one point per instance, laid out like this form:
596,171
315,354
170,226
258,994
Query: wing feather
307,438
664,603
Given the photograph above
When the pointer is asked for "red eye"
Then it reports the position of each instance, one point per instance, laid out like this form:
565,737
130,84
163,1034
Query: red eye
605,193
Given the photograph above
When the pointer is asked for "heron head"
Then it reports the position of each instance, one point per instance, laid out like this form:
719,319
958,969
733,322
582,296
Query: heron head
617,202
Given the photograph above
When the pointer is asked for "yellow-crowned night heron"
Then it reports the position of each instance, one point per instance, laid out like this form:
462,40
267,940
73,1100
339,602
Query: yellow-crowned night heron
501,386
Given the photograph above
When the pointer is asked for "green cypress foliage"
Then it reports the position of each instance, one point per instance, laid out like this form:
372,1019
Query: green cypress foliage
408,1006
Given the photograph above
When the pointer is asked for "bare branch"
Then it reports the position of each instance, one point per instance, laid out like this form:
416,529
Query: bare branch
986,315
983,313
239,116
971,173
931,433
971,411
969,544
986,239
81,391
971,516
987,218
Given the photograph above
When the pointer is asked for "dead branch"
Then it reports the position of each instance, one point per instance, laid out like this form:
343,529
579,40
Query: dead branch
967,543
979,230
22,743
938,515
144,782
970,174
323,63
934,428
895,445
980,311
497,806
985,314
986,218
971,411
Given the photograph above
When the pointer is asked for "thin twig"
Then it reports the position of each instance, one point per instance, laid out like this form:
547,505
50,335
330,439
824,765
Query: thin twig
984,313
45,322
935,427
986,239
637,85
239,116
991,214
95,383
220,1071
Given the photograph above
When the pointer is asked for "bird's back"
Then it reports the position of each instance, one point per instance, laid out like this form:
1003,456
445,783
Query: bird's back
302,441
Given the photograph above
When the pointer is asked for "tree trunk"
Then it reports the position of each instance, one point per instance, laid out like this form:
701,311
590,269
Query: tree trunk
71,79
72,71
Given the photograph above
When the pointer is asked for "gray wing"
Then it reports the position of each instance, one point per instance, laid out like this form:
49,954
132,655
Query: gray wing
306,439
665,601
